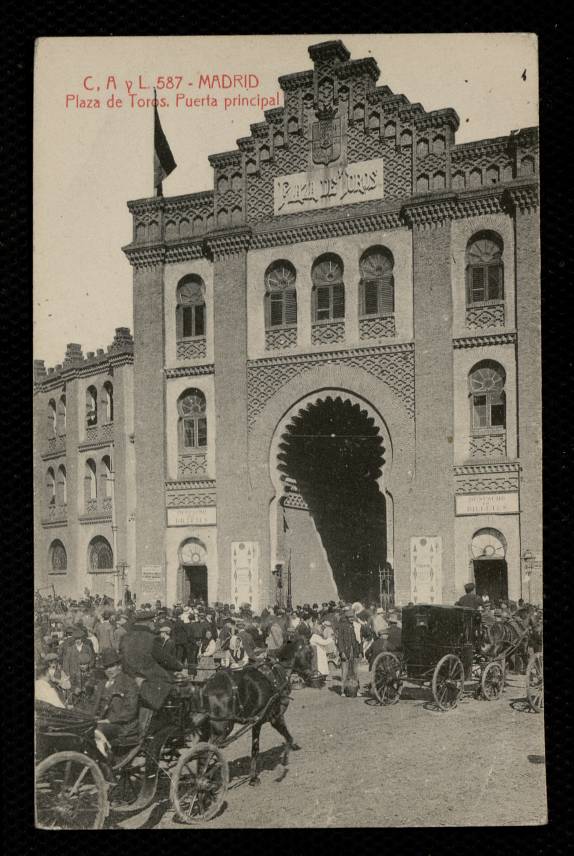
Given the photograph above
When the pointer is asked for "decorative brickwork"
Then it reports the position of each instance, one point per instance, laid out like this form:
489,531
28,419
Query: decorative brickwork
91,506
487,478
294,500
56,444
328,334
481,315
107,503
190,371
488,445
483,341
377,328
191,349
280,338
56,514
393,364
190,494
192,465
106,432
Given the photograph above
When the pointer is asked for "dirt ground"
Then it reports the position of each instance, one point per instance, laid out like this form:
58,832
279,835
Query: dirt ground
406,765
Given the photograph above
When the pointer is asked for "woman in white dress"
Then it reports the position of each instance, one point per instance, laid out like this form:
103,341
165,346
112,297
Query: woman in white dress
320,647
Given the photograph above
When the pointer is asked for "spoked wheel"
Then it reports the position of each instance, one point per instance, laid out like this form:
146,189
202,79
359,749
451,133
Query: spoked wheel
199,783
492,681
132,782
448,682
386,680
535,682
71,793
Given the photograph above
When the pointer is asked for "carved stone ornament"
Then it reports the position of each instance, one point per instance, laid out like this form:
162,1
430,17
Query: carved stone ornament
326,141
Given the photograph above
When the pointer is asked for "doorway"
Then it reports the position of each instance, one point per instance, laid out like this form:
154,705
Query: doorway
194,583
331,454
491,578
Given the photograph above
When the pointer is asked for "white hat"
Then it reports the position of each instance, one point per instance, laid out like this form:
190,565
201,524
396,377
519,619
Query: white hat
380,610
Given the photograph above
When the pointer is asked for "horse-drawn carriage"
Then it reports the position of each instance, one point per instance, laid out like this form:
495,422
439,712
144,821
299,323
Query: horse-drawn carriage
449,648
81,779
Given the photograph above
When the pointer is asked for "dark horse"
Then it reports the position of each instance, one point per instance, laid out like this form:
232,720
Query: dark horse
255,694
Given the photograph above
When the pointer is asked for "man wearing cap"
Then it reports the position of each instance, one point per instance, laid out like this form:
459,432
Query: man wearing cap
120,630
470,598
115,702
165,646
143,658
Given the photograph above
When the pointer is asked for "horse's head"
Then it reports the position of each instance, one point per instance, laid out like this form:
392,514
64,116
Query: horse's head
297,655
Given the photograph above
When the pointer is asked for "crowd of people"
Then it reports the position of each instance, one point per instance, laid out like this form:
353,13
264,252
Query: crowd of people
84,647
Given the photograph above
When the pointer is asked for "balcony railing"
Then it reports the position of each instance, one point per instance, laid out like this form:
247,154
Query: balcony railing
57,443
56,514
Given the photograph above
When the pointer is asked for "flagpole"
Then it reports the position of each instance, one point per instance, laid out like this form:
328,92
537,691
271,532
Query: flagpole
159,188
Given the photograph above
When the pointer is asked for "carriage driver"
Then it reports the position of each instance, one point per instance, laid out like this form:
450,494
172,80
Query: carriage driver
115,702
470,598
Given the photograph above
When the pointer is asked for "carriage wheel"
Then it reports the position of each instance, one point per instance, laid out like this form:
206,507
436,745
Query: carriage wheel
492,681
535,682
199,783
71,792
448,682
386,679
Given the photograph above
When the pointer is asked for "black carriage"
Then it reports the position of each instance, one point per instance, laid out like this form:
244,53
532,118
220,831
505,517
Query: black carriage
79,781
444,647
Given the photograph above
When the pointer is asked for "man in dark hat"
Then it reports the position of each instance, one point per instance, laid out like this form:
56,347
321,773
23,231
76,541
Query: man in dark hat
470,598
143,659
115,702
78,659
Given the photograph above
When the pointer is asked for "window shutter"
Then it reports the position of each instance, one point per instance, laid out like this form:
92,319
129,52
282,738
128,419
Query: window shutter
200,320
323,305
387,306
370,293
290,306
338,301
494,282
187,321
477,284
276,308
202,432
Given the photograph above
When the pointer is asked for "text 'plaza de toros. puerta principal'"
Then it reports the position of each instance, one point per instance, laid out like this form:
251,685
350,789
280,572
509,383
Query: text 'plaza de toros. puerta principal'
337,368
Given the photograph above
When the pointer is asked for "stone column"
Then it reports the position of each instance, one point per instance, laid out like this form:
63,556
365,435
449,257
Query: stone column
529,367
433,495
149,415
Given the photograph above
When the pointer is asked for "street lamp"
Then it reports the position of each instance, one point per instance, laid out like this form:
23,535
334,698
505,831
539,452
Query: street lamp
528,559
384,578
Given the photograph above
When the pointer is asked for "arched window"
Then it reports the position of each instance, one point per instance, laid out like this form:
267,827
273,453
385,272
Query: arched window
422,148
328,288
61,486
377,282
58,556
91,406
192,420
100,556
484,268
51,418
105,481
108,401
190,312
90,482
487,396
61,416
281,295
50,487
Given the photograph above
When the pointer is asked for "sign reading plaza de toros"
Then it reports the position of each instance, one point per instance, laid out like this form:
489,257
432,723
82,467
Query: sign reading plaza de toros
325,187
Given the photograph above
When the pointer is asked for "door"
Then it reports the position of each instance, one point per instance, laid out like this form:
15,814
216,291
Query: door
195,583
491,578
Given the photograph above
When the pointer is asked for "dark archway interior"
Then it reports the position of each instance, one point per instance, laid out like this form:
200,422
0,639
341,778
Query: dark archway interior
334,453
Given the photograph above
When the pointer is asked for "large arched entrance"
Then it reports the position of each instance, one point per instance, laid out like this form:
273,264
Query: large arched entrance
488,550
192,576
330,457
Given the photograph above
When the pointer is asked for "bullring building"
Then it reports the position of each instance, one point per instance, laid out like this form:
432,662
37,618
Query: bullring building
337,357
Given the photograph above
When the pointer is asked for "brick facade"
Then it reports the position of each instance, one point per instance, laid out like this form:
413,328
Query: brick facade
452,485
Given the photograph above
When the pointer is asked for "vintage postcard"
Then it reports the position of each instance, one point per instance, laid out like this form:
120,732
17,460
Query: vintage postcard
287,424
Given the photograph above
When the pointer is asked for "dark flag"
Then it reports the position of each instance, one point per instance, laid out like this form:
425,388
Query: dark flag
163,162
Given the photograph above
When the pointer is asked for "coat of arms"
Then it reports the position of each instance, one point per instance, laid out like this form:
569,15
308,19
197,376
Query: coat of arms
326,140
